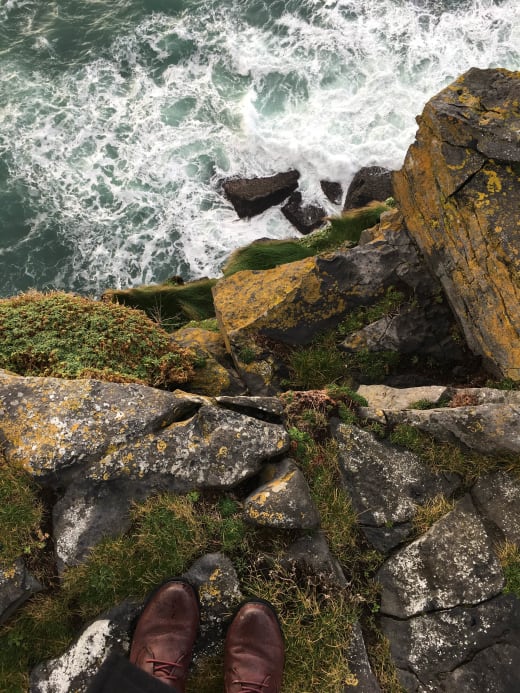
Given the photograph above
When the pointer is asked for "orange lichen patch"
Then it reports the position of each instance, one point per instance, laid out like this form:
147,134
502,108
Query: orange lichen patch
461,208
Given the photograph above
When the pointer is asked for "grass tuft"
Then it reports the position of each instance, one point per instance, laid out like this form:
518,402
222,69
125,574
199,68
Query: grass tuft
66,336
509,557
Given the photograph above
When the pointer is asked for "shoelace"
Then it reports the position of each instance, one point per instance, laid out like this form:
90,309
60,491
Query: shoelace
164,670
252,686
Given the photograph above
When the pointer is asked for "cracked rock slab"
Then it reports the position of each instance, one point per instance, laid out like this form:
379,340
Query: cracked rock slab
215,448
51,424
386,485
386,397
486,428
432,645
359,665
452,564
283,501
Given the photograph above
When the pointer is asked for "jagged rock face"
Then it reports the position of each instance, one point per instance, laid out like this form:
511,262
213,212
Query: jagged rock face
283,500
459,190
295,301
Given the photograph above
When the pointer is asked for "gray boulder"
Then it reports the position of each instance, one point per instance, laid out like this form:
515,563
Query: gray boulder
283,500
440,648
359,665
386,485
251,196
497,497
369,183
311,554
452,564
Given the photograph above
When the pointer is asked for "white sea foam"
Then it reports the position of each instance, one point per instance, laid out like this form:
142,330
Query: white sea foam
120,156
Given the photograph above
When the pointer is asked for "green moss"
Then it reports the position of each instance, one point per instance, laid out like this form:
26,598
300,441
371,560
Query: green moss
66,336
265,254
20,515
170,305
209,324
365,315
347,227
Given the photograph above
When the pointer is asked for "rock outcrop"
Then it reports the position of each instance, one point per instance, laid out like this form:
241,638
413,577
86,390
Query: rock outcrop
369,183
459,191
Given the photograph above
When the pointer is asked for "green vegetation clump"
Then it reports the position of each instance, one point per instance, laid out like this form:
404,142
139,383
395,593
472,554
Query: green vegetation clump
169,305
267,254
509,556
66,336
20,515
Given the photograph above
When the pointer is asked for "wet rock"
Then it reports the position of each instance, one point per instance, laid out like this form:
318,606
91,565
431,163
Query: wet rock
251,196
385,397
305,217
75,669
487,428
333,191
452,564
497,496
459,191
16,586
386,485
440,648
369,183
359,665
283,501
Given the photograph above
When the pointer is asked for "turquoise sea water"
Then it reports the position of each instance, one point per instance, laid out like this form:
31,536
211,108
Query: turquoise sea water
118,118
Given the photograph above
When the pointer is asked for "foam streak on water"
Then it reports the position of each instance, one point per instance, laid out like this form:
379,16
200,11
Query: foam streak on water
117,120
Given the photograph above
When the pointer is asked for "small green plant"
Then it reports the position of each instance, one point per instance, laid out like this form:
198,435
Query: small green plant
427,514
315,366
67,336
246,355
357,319
509,557
428,404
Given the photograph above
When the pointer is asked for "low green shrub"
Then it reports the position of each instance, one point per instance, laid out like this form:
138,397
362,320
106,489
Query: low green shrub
66,336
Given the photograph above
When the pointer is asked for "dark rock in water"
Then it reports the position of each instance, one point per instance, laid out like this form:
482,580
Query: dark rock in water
333,191
251,196
370,183
447,648
305,218
16,586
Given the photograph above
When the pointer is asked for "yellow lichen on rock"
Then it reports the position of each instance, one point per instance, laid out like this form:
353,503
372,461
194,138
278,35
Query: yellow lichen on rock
459,191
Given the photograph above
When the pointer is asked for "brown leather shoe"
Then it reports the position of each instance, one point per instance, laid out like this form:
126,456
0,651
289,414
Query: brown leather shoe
254,651
165,633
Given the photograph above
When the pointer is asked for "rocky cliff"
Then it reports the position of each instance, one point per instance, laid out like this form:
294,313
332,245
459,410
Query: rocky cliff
337,448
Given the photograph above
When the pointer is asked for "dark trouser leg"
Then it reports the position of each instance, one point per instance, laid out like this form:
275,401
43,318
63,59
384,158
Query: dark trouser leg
118,675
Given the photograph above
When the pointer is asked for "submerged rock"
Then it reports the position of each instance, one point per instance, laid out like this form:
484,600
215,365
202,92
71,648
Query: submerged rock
306,217
332,190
